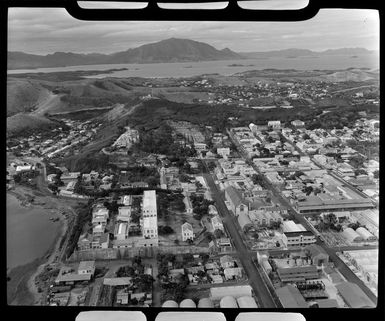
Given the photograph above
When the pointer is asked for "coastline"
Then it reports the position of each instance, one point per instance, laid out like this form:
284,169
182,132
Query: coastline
21,289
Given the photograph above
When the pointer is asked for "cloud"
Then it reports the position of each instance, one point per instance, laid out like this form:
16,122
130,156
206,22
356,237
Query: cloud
45,30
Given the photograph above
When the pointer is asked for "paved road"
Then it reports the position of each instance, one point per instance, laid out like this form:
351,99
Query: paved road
96,292
354,88
261,291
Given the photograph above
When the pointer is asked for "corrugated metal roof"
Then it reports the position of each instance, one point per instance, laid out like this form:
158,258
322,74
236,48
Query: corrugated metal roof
205,303
234,195
290,297
187,303
247,302
169,304
228,302
354,296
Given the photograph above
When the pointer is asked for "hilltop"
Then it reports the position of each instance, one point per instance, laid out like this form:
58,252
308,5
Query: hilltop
169,50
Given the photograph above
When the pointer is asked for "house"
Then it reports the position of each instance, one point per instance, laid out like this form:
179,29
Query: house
121,231
237,204
211,266
213,210
298,273
216,278
187,203
100,215
274,124
221,245
318,255
187,232
68,276
23,168
98,230
86,267
298,239
233,273
88,241
124,214
224,152
122,296
127,200
298,123
66,178
226,261
217,224
104,241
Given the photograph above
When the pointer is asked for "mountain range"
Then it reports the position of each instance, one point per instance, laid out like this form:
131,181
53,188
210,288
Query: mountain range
169,50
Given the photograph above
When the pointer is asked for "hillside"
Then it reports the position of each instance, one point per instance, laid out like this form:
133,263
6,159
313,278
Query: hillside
352,75
24,95
169,50
294,52
28,122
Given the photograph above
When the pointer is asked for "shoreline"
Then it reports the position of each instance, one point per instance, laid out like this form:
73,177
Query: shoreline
21,289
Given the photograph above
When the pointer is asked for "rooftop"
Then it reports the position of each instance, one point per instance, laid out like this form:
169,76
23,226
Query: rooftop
354,296
290,297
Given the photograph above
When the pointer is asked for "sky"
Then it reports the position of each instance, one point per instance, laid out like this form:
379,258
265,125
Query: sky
48,30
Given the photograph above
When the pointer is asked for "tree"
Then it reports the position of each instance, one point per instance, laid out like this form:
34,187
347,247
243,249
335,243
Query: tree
198,185
331,218
144,282
357,161
307,190
165,230
218,233
376,174
354,226
360,171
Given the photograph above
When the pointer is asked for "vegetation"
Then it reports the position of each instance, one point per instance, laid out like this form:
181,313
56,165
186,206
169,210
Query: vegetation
200,205
142,173
161,141
165,230
84,216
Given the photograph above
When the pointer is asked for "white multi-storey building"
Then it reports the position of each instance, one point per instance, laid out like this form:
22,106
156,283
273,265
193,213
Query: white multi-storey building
150,215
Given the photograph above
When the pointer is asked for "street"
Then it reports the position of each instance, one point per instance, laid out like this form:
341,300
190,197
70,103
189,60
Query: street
260,289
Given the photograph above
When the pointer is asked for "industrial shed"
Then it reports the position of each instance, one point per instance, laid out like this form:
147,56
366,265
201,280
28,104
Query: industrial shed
351,235
228,302
169,304
290,297
205,303
353,296
365,234
234,291
187,303
247,302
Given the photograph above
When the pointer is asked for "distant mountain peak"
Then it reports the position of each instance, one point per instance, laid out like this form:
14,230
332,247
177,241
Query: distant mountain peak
167,50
